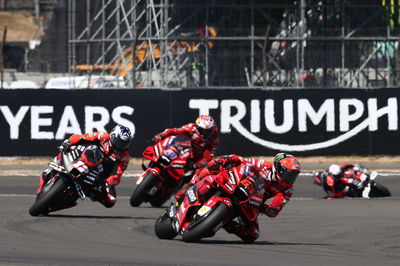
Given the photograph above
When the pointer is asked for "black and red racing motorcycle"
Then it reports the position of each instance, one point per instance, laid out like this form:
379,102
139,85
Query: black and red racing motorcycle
341,187
72,175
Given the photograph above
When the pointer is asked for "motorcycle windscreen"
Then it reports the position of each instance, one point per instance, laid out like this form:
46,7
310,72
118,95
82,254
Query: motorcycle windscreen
93,155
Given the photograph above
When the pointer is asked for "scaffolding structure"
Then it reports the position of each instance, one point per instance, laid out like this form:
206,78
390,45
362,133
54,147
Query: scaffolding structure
235,43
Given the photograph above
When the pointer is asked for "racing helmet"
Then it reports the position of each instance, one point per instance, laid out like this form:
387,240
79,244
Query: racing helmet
205,125
287,168
334,170
120,138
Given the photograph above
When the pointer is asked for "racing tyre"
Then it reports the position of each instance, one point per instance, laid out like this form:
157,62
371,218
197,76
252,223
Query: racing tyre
49,195
142,189
163,228
208,225
378,190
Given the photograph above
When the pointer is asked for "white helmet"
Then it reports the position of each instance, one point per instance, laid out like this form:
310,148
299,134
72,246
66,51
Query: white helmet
205,125
334,169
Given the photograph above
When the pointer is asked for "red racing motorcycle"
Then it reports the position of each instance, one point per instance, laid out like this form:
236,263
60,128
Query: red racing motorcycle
199,215
166,172
72,175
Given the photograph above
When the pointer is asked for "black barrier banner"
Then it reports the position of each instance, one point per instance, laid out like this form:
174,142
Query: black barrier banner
251,122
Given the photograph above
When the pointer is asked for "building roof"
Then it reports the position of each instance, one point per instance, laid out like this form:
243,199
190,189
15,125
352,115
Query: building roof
20,27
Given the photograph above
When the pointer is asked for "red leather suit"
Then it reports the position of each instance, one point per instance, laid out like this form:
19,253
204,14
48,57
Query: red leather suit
202,147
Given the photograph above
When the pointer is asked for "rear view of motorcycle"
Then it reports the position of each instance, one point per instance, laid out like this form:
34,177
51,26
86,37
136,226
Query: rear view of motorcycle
72,175
165,173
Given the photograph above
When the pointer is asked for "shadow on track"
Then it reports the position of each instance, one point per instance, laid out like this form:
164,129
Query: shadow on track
96,217
261,243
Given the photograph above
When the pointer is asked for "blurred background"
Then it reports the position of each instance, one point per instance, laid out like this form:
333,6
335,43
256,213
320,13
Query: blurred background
199,44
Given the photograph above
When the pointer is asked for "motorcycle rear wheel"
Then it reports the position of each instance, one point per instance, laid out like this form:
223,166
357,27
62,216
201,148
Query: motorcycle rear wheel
163,228
208,225
142,189
47,199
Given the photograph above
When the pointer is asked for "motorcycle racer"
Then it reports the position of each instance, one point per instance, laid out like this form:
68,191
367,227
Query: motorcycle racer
204,137
115,145
276,179
337,180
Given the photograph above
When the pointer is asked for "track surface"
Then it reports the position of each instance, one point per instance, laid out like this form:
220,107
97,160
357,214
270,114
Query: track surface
309,231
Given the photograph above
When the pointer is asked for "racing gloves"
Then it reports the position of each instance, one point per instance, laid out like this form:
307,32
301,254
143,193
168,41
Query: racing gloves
65,145
357,183
157,138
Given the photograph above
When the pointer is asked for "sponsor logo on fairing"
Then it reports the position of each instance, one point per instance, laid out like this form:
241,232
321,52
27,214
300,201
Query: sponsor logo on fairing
192,196
353,115
232,178
179,166
203,210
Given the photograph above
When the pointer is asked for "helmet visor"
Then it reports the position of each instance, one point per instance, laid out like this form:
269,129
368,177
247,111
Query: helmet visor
120,145
205,132
287,175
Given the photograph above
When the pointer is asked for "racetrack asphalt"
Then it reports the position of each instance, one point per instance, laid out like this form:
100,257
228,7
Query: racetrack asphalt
309,230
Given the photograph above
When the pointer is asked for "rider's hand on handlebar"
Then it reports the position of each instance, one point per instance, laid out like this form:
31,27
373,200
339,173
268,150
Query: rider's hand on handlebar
65,145
157,138
357,183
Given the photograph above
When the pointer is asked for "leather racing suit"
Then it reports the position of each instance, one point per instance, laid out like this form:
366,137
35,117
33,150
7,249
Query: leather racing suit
202,148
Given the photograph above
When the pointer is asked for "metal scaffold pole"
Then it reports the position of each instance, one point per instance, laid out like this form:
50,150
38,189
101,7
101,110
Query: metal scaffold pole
171,43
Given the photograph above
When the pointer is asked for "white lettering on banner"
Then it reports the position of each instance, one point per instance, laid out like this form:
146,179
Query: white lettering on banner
227,119
350,110
68,117
255,116
90,123
203,105
344,112
306,110
37,121
390,110
41,116
14,121
269,115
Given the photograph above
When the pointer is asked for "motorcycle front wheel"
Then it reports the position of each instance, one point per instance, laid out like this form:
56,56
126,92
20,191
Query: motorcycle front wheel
163,228
377,190
142,189
48,197
207,226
